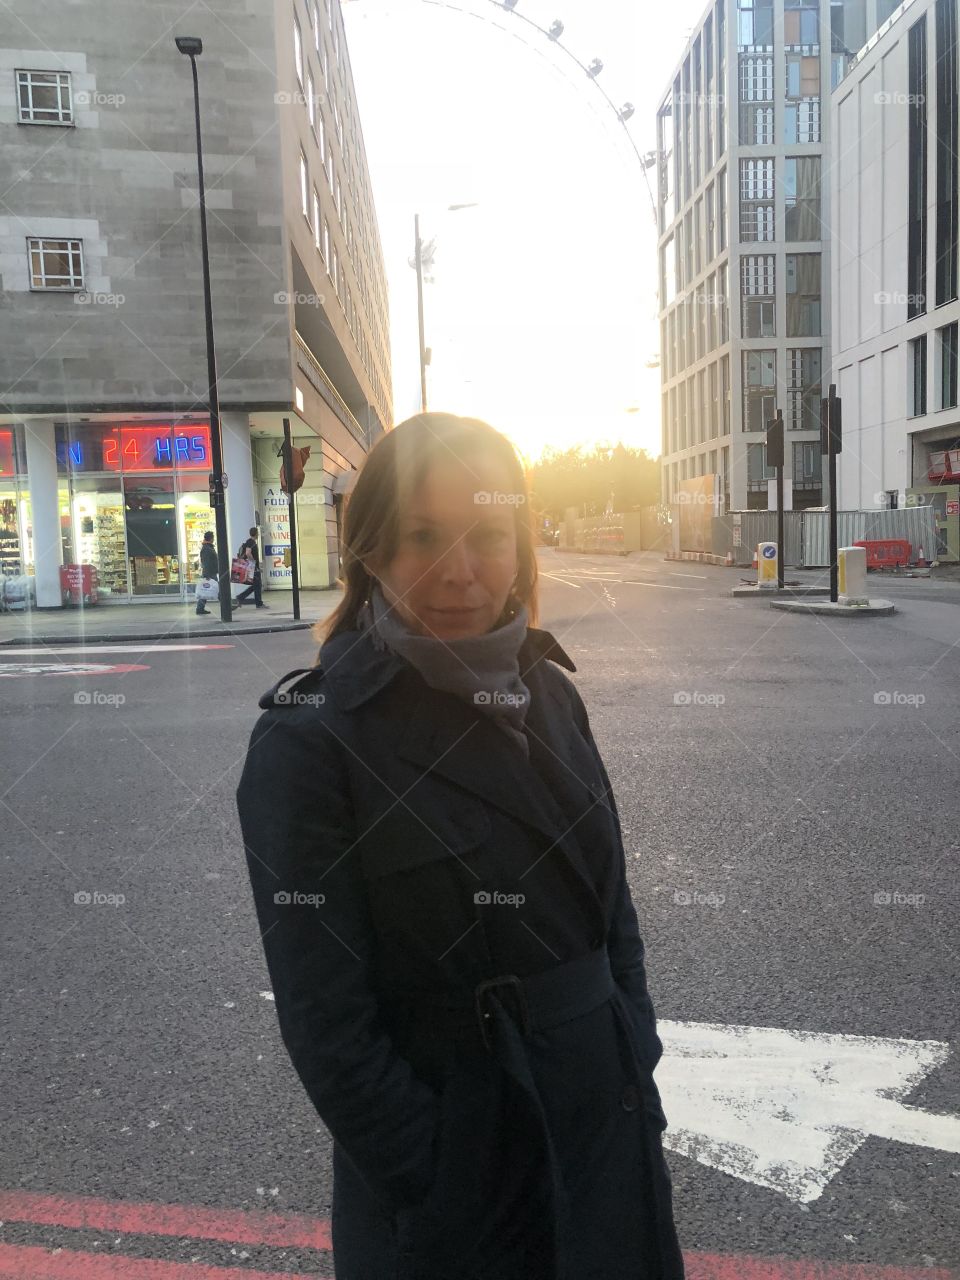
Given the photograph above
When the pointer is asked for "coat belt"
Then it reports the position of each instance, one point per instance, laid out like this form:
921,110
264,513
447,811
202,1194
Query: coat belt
499,1013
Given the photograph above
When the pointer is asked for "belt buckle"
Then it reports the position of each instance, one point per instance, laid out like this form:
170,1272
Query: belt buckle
505,980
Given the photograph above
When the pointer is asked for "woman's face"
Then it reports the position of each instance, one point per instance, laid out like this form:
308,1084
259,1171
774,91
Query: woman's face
456,556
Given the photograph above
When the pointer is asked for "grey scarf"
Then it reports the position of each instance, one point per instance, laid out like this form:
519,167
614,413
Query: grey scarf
483,670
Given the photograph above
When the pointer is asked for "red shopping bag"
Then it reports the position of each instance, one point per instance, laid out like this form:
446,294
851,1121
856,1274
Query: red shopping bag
241,569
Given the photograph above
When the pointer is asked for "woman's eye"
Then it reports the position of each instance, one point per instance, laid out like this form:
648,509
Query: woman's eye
492,537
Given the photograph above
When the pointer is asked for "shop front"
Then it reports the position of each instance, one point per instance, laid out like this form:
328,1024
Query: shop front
135,504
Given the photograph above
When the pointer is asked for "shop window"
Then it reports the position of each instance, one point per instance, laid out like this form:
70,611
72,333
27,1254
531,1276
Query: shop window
55,264
44,97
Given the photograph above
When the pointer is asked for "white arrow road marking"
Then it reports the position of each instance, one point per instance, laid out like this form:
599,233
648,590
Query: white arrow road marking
786,1109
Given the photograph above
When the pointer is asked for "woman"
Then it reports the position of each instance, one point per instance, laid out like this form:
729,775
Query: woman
440,882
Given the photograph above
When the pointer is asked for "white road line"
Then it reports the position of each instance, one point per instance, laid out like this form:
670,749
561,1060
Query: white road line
676,574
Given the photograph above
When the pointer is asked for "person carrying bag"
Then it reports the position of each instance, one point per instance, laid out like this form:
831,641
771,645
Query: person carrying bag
208,587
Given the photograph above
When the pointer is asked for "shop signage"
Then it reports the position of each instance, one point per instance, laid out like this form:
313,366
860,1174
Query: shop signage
147,447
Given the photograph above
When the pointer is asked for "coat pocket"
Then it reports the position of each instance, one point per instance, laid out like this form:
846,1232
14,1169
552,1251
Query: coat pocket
411,835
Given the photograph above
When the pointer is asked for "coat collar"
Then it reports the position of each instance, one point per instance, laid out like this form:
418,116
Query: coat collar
357,671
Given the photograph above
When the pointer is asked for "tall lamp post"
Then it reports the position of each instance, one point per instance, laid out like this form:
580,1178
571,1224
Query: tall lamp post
192,47
417,262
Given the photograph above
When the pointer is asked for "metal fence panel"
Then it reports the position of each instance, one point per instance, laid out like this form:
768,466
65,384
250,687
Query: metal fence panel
916,524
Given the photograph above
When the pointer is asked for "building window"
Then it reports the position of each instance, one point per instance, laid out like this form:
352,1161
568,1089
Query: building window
722,211
44,97
801,121
946,147
304,187
339,201
756,77
335,273
315,20
723,307
918,370
311,101
321,138
326,242
917,172
801,23
803,388
807,466
759,389
755,19
803,295
756,124
758,472
756,200
758,295
325,66
330,169
947,340
55,264
801,198
316,219
803,76
298,51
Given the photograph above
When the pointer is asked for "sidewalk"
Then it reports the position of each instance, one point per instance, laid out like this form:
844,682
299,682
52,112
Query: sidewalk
174,621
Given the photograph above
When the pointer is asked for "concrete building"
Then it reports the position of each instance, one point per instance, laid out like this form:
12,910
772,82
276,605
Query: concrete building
745,177
896,309
104,434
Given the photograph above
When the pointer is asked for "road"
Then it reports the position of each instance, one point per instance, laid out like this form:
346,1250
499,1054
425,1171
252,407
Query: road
788,791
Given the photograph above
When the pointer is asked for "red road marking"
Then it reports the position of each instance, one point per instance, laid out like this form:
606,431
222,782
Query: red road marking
257,1227
24,1263
237,1226
738,1266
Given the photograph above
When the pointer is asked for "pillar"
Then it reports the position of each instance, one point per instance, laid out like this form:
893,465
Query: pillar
238,464
44,510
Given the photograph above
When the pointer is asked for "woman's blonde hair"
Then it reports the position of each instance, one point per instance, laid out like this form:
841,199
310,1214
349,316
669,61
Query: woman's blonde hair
386,483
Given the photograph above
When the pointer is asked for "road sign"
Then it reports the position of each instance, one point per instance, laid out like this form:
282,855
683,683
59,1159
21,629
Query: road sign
787,1109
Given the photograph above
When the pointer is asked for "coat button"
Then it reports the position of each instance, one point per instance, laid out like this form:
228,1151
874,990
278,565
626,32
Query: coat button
630,1098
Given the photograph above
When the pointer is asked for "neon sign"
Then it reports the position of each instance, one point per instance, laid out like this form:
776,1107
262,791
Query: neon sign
6,453
144,447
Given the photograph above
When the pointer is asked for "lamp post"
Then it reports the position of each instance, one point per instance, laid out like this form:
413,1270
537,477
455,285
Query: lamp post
417,263
192,47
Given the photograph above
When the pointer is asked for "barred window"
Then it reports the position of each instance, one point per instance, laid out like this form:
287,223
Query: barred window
44,97
801,121
758,274
756,179
55,264
756,125
756,77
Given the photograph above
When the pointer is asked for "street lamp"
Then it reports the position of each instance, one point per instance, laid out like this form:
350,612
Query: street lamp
417,262
192,47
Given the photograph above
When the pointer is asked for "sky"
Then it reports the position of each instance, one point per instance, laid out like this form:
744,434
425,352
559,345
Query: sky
542,314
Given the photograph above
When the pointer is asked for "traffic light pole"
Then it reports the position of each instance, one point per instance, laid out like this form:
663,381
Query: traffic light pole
830,443
775,459
288,472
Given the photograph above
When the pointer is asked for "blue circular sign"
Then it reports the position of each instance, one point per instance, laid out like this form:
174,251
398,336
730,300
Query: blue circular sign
769,553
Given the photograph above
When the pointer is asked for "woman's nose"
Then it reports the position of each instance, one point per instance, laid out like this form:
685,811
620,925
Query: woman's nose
457,563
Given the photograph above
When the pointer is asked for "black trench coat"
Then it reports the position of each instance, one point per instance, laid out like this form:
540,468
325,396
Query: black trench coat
468,1143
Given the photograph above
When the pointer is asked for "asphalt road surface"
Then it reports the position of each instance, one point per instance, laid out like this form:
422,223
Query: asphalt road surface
788,788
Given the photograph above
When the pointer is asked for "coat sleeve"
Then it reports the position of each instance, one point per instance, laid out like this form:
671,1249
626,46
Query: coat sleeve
299,832
624,943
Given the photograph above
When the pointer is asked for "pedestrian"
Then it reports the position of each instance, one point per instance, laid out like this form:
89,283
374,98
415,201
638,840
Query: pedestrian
250,551
440,883
209,566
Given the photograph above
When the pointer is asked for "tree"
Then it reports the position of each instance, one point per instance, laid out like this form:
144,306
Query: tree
586,480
